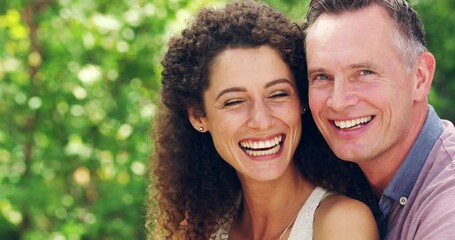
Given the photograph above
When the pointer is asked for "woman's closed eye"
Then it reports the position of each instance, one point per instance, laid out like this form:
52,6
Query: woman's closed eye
233,102
279,94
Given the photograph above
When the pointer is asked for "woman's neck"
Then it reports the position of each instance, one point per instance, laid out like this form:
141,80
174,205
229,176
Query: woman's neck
269,207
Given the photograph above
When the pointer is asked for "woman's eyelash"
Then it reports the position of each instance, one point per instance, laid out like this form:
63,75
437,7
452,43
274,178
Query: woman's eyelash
279,94
232,102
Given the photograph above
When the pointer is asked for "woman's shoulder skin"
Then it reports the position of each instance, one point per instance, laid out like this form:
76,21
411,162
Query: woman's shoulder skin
341,217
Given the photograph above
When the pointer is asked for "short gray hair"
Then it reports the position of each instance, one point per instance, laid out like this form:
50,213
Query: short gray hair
408,36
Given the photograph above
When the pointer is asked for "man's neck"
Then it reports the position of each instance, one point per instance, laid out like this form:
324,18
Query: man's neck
381,170
380,177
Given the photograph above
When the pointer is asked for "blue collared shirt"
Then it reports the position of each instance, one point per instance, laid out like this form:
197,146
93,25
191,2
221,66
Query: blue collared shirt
398,190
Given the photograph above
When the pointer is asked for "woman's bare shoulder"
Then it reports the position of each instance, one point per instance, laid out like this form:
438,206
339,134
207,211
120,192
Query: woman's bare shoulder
341,217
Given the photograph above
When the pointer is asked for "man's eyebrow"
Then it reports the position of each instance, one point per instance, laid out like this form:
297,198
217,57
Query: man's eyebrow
352,66
361,65
313,70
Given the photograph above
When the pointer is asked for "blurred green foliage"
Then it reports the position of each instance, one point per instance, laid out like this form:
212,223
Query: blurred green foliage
78,82
439,19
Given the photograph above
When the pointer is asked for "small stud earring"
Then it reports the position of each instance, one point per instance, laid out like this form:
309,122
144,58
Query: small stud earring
201,129
303,111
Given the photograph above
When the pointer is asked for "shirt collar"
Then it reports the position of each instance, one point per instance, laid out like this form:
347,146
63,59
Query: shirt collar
406,176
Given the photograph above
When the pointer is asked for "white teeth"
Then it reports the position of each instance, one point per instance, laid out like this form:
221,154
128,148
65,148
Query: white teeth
257,153
352,123
261,144
261,148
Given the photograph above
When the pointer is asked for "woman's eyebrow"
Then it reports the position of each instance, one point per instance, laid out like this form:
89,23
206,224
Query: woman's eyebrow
228,90
278,81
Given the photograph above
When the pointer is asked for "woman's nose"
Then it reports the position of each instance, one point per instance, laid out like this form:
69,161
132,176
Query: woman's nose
260,116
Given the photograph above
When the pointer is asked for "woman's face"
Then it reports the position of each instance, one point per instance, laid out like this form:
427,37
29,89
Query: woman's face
253,112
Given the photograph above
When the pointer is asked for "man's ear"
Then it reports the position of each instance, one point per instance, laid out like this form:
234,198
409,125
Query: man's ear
197,120
425,68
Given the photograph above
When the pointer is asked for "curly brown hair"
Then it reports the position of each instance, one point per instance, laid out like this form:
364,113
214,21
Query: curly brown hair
195,189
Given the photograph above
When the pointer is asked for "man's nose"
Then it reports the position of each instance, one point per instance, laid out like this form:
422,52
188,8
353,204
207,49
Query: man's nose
342,95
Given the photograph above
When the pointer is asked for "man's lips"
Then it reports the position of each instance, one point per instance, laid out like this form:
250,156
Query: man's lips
352,123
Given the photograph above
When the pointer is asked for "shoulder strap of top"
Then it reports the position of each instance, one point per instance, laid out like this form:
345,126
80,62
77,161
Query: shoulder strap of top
303,225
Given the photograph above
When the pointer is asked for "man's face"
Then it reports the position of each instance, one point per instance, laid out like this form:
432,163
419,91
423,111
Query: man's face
360,93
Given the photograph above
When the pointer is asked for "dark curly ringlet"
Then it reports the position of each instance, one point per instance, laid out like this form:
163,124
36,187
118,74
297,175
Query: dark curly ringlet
190,56
195,189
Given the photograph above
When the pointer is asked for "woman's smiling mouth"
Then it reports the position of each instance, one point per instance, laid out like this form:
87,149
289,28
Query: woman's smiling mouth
258,148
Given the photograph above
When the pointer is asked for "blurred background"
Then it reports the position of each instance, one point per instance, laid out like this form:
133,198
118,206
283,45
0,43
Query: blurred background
78,82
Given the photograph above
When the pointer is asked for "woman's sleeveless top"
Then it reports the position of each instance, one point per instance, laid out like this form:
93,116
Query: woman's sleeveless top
302,228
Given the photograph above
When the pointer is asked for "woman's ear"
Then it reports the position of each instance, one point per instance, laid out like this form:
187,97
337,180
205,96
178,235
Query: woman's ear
303,108
196,119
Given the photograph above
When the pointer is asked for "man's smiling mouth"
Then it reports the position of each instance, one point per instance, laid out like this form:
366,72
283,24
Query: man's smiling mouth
256,148
353,123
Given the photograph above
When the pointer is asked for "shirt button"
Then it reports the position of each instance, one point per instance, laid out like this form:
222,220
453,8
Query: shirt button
403,201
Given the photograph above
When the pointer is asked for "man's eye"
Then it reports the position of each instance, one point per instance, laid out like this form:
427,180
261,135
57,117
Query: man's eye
321,77
366,72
